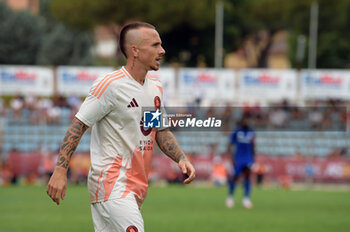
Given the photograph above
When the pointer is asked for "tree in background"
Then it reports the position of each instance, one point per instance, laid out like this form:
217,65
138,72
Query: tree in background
40,39
63,45
173,19
186,26
20,36
260,20
333,50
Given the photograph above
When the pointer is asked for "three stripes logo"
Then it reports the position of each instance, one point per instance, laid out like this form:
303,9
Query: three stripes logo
133,103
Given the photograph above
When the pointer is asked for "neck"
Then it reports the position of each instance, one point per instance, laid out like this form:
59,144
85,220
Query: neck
138,73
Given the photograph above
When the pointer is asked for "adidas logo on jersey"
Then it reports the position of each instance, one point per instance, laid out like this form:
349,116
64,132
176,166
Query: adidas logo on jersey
133,103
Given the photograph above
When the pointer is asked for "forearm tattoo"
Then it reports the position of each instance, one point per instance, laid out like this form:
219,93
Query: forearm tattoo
168,144
70,142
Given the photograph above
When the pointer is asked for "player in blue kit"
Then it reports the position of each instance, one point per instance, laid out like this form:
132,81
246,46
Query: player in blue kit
243,140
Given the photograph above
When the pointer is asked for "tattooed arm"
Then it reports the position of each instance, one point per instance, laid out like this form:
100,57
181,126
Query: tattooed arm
168,144
57,185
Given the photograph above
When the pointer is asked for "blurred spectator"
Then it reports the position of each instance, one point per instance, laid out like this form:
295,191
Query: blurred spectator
327,122
260,120
34,117
44,104
30,102
285,105
17,105
247,110
260,170
198,95
219,173
174,177
227,118
74,102
211,150
285,181
278,118
296,114
79,167
60,101
210,112
153,175
53,115
7,175
47,164
315,118
338,152
309,172
31,178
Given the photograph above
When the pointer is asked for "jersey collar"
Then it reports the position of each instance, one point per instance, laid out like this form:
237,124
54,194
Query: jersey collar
130,77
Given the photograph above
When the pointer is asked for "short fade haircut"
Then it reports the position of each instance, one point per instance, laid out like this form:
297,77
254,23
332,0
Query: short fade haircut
128,27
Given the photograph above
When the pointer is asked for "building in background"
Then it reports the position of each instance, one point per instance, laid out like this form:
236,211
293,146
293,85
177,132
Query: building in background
106,41
247,56
31,5
105,37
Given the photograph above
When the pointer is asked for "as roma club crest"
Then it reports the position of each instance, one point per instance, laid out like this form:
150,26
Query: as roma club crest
132,229
157,103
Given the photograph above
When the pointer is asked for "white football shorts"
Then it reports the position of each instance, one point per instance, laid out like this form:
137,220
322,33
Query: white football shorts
117,215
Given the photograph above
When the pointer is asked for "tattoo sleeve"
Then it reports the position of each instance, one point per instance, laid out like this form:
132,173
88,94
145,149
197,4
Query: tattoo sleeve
168,144
70,142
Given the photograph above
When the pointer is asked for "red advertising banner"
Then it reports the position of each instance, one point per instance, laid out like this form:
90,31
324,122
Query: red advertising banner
318,169
275,167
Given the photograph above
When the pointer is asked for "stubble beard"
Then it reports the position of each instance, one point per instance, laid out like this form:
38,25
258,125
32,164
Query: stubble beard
154,67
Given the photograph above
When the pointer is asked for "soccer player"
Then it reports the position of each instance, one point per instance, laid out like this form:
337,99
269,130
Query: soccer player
121,148
243,140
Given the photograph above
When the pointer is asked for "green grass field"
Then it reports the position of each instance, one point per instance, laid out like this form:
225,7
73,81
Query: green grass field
179,208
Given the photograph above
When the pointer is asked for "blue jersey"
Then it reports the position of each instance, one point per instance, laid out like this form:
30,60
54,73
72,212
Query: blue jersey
243,139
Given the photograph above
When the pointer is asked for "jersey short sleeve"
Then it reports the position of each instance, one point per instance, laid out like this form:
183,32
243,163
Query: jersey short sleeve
94,108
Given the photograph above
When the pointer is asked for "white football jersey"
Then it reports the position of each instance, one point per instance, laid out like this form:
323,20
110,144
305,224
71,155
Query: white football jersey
121,149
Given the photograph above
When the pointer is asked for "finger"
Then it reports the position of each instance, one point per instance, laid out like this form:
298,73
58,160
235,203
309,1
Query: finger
183,168
56,200
48,190
189,179
63,194
53,194
57,196
191,176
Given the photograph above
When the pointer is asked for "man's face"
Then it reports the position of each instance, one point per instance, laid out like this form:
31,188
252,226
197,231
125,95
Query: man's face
150,49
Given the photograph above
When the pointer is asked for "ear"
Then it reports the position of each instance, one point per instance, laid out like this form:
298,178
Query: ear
134,51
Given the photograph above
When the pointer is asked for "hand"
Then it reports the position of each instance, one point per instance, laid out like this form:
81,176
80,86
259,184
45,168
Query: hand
188,169
57,185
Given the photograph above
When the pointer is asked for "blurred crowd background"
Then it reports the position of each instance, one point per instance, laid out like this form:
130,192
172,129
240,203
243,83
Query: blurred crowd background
303,138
